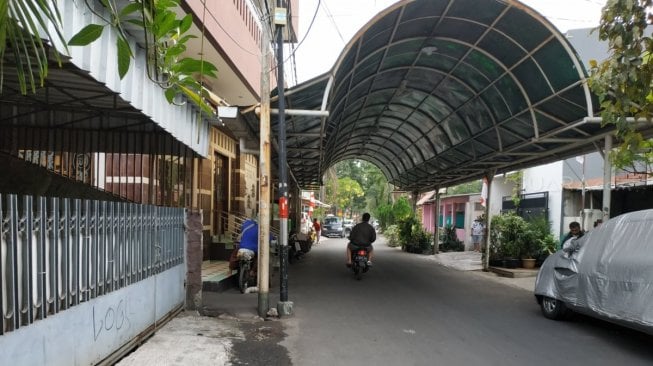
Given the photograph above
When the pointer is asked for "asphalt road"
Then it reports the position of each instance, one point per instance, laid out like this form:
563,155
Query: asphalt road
410,311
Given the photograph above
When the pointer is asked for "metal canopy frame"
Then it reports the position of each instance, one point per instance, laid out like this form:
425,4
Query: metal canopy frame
440,92
73,103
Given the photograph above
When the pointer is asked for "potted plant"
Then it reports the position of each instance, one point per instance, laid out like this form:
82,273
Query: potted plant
506,234
536,240
450,241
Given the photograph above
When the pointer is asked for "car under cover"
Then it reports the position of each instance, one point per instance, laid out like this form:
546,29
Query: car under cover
607,273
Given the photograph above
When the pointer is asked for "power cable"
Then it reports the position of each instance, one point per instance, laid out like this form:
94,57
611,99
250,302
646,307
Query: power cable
310,26
229,35
330,16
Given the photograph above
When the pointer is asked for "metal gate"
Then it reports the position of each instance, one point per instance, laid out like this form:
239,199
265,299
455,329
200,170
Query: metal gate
57,253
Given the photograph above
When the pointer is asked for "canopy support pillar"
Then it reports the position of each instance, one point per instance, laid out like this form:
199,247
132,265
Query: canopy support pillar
607,177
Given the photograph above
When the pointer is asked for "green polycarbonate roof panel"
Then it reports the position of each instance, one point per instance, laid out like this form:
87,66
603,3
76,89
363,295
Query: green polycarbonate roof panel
439,92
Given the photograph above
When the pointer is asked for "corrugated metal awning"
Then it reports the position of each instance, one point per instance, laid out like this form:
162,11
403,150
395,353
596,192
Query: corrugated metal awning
86,95
440,92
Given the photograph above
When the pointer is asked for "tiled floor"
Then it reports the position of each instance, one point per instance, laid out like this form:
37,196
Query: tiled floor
215,271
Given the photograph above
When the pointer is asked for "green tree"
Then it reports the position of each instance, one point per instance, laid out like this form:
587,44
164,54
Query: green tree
402,210
348,191
624,81
372,181
471,187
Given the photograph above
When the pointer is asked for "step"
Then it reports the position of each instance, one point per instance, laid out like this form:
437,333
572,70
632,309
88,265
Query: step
514,272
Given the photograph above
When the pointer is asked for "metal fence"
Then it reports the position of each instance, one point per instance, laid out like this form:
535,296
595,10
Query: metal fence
56,253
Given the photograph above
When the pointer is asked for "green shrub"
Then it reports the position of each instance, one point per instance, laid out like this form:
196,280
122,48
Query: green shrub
412,236
506,234
449,240
542,241
513,237
391,234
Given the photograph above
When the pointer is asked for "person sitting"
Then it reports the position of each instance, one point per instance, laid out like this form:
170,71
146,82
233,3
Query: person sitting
574,233
362,236
248,243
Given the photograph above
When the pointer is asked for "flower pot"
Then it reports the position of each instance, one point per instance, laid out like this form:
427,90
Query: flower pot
528,263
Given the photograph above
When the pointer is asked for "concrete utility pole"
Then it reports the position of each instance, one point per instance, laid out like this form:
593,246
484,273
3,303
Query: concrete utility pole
264,173
284,307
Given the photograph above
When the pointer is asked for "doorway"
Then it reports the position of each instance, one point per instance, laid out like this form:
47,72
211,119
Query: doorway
221,194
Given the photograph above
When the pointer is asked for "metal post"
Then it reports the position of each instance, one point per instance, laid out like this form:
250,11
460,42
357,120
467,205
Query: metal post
436,221
607,178
582,197
284,307
264,173
485,256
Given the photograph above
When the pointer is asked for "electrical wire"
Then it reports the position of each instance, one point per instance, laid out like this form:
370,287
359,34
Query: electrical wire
229,35
310,26
330,16
293,59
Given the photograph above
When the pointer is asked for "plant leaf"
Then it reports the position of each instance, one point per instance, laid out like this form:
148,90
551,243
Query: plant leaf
166,24
170,94
87,35
131,8
197,100
185,23
124,57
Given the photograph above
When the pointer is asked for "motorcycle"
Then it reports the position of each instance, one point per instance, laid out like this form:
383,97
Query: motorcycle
298,246
359,264
246,269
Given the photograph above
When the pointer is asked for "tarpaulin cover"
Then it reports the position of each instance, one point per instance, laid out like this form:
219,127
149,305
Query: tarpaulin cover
608,273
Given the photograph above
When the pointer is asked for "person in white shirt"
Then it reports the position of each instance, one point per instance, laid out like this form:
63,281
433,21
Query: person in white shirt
478,230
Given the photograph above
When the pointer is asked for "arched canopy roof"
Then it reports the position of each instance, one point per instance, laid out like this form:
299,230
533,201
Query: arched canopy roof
439,92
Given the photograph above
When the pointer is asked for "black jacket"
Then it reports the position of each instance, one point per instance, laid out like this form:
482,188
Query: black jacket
362,234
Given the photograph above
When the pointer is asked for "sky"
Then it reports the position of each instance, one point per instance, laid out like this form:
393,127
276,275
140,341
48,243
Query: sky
337,21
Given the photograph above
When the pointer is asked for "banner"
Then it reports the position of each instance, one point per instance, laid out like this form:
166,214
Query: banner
484,193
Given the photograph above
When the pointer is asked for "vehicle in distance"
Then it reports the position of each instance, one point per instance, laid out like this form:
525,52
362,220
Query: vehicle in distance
332,226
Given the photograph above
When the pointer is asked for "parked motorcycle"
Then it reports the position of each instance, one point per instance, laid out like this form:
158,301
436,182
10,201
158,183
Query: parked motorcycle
359,259
246,269
298,246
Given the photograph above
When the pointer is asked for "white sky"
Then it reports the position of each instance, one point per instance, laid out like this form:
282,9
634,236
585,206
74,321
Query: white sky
337,21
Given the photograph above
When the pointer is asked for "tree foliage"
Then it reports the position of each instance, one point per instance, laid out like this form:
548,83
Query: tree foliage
24,23
471,187
348,191
624,81
375,187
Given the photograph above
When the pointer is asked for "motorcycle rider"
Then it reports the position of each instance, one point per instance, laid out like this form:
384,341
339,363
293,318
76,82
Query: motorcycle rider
362,235
248,243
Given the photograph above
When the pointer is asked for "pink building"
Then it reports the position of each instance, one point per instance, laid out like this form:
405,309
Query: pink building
459,211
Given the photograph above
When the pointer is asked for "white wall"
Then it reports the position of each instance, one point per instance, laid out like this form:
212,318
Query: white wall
500,188
89,332
547,178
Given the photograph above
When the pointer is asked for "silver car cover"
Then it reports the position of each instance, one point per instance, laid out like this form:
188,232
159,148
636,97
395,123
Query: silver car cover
608,272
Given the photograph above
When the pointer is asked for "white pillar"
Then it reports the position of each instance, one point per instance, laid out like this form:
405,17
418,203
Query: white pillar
607,178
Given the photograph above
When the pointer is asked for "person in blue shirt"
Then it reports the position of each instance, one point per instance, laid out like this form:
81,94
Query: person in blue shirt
249,235
248,244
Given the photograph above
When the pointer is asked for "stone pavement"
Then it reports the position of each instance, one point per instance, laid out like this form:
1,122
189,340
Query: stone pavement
471,261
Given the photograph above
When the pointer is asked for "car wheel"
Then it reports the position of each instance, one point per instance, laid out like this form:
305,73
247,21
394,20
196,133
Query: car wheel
553,308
